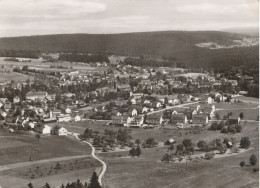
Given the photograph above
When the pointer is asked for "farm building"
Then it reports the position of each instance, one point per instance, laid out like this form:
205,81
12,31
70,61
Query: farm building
179,118
154,120
234,120
33,95
121,120
46,129
63,131
200,119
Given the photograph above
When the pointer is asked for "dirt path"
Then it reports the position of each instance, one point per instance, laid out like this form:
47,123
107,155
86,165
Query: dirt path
104,166
171,107
24,164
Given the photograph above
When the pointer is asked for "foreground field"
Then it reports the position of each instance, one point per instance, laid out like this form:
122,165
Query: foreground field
19,148
54,159
148,171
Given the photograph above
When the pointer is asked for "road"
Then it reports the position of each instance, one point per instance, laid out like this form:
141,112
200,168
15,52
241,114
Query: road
104,166
171,107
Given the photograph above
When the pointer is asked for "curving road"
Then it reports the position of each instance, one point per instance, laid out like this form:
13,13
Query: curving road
104,166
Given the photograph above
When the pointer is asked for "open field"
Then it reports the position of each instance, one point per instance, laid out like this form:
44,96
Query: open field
17,170
17,148
39,65
148,171
7,74
20,177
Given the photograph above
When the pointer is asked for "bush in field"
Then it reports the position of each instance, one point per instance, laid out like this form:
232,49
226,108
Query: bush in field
132,152
235,149
242,163
166,158
256,169
57,166
209,155
171,147
245,142
180,149
202,145
253,159
222,149
138,151
188,145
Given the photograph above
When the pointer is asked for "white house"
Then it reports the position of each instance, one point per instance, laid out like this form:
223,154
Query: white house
144,110
63,131
207,100
32,124
68,111
147,102
133,112
4,114
158,105
46,129
16,99
133,101
63,118
174,112
77,118
175,101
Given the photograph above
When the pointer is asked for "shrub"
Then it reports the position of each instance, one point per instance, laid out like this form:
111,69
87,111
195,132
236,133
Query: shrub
202,145
242,163
253,159
222,149
255,169
209,155
166,158
245,142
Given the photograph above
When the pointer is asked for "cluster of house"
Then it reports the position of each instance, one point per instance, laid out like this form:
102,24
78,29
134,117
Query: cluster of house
195,115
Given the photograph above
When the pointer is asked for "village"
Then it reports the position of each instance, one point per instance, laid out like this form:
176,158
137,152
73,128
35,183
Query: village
123,110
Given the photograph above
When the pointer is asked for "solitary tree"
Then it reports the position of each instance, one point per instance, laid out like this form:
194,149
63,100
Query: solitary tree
253,159
245,142
132,152
94,181
138,142
47,186
202,145
38,136
242,163
241,115
138,151
30,185
171,147
217,116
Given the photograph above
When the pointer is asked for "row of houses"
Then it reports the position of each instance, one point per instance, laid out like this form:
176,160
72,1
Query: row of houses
137,121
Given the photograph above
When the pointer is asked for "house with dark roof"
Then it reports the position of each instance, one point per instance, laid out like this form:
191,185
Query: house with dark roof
179,118
154,119
200,118
121,120
234,120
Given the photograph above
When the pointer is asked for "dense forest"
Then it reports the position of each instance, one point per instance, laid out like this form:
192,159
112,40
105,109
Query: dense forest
180,46
20,53
83,58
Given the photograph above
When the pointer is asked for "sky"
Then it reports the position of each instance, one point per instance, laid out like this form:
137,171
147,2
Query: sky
39,17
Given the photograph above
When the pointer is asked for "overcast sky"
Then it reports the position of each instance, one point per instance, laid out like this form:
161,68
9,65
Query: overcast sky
37,17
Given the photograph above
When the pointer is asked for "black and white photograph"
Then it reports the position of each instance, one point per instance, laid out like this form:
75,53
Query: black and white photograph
129,93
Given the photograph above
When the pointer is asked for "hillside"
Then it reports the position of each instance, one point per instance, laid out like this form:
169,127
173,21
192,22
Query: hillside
180,45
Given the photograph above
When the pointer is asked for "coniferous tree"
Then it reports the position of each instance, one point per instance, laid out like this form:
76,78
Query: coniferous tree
94,181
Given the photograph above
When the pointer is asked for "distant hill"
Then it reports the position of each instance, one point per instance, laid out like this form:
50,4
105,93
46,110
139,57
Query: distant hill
252,31
180,45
